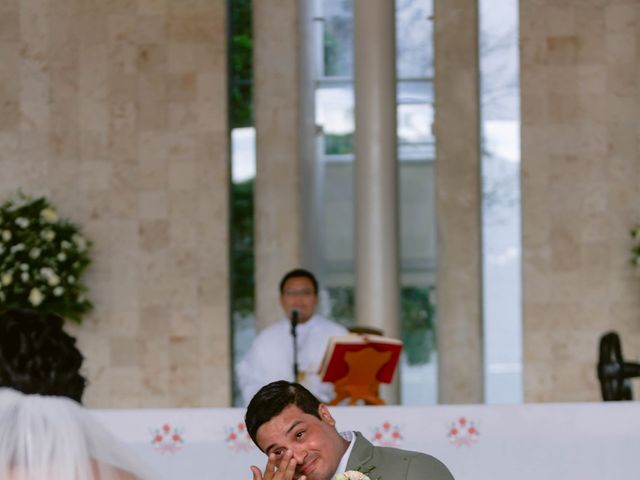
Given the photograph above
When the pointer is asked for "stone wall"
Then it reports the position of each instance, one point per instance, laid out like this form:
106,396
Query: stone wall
116,109
580,179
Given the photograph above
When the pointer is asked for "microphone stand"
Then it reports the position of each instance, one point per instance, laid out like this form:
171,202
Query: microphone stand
294,324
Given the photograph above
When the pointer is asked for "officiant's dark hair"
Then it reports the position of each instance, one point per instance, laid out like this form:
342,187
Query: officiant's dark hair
272,399
298,273
38,357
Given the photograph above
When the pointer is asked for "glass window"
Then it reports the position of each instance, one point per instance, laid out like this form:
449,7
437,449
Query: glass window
500,116
334,108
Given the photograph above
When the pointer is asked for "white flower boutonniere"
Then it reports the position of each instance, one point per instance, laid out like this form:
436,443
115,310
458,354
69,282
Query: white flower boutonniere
351,475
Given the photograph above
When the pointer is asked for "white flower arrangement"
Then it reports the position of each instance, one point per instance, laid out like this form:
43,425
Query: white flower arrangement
42,258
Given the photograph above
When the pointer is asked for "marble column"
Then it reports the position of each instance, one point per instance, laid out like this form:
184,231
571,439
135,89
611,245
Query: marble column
278,228
377,270
457,124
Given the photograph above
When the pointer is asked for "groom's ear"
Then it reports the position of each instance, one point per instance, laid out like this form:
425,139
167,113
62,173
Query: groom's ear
325,415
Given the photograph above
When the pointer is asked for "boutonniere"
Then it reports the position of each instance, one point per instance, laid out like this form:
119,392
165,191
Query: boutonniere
351,475
355,475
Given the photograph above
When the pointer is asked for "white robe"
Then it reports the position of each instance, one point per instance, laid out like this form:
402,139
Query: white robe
270,357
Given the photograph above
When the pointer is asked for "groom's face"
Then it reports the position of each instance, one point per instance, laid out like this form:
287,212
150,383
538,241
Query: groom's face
316,445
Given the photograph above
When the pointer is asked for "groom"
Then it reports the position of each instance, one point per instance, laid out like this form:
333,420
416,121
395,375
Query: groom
299,436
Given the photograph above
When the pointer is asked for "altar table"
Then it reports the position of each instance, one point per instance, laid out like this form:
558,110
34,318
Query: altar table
581,441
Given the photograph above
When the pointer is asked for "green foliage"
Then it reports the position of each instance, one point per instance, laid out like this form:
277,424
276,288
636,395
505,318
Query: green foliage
240,64
42,259
338,144
418,329
417,311
242,255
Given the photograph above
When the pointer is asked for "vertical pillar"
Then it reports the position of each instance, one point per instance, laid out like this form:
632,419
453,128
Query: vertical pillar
457,123
377,271
278,229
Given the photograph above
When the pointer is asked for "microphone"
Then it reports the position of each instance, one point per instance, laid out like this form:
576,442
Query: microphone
295,314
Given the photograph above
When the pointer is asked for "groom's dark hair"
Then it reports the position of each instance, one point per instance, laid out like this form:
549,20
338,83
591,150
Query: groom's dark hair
272,399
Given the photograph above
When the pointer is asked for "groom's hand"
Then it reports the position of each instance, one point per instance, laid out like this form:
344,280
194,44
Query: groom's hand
282,469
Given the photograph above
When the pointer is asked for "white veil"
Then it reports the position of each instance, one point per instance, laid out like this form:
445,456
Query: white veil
54,438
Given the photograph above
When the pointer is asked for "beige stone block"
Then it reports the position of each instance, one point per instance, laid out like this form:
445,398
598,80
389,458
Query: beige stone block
182,87
153,162
183,116
193,28
125,352
182,175
622,109
592,79
151,30
152,103
594,107
151,59
153,205
185,387
154,235
211,57
9,26
92,28
155,323
125,322
8,149
621,47
184,323
563,108
622,79
623,17
184,350
95,175
182,58
125,387
560,19
123,203
152,7
562,49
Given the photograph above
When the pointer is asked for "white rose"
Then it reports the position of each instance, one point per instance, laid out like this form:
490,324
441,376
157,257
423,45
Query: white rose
6,235
6,278
53,280
58,291
65,244
22,222
49,215
17,248
35,297
48,235
80,242
61,257
46,272
34,253
24,276
71,279
24,267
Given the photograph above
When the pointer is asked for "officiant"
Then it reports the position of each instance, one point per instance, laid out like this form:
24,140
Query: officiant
271,356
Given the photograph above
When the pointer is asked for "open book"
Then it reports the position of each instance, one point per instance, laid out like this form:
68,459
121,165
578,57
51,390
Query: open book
335,364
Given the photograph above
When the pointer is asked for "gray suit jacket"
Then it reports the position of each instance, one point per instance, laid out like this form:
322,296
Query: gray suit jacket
394,464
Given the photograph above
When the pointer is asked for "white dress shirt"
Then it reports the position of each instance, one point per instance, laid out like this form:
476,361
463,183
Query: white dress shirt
270,357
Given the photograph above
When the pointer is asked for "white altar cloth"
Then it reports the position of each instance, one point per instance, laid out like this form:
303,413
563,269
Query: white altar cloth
516,442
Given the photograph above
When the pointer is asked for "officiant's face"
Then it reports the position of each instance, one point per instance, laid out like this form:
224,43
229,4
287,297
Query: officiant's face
298,293
316,445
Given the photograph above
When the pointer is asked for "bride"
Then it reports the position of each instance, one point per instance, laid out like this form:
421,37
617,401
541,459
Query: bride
44,431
